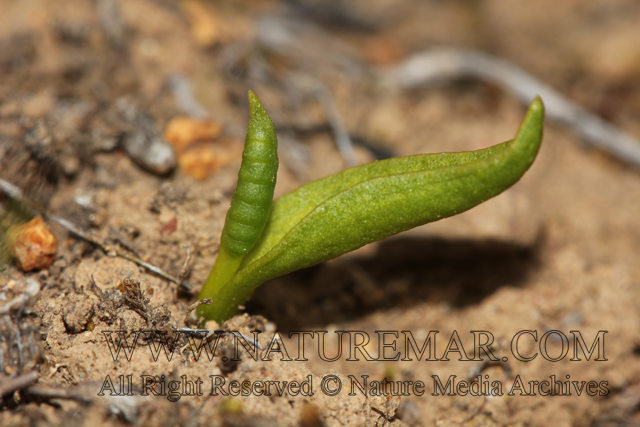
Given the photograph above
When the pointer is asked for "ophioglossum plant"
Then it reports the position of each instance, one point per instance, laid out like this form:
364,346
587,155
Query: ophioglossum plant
342,212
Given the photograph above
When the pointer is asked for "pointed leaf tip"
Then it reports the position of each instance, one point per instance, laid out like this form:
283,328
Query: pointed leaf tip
259,119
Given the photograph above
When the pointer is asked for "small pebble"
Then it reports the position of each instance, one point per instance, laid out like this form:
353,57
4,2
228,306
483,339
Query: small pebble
143,143
182,131
150,152
33,245
199,161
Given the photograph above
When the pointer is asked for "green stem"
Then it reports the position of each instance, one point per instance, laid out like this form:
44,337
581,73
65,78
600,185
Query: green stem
250,204
226,266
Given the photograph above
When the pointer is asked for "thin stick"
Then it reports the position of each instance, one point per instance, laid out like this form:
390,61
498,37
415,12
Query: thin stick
198,304
340,133
445,64
221,332
58,393
11,384
187,312
16,193
186,267
314,87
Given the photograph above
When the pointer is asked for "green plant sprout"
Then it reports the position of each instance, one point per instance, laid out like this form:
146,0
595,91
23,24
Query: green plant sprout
342,212
251,201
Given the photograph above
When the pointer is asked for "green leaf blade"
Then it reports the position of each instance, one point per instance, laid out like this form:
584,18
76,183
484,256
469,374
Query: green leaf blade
294,206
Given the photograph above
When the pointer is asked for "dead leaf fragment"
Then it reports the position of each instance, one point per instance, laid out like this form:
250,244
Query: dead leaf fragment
170,227
33,245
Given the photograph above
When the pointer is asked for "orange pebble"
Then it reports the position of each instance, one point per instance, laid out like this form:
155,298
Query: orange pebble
33,245
199,161
182,131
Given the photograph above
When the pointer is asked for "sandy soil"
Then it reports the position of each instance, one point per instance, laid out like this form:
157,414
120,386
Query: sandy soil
558,251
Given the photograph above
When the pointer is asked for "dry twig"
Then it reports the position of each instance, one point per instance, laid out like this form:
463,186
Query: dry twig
210,332
340,133
285,37
309,85
16,193
445,64
186,267
58,393
11,384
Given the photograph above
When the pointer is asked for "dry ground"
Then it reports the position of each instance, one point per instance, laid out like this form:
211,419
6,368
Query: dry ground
559,250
